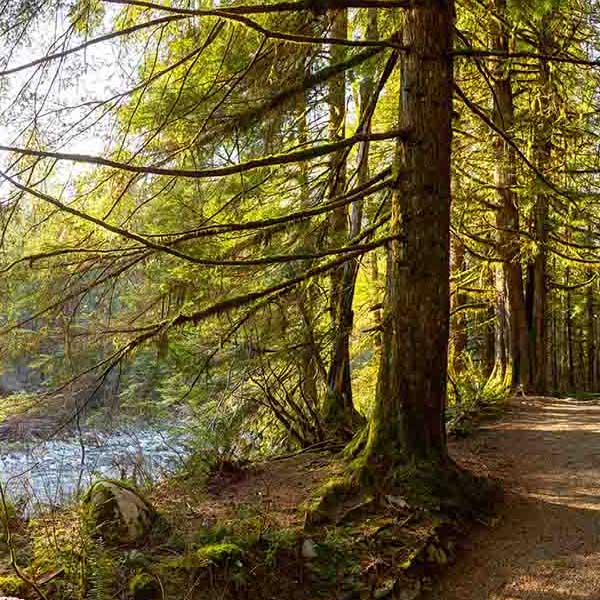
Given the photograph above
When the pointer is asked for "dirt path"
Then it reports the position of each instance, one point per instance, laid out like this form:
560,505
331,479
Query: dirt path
546,543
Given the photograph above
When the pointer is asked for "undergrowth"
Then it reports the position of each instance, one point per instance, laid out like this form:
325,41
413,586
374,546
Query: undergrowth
473,396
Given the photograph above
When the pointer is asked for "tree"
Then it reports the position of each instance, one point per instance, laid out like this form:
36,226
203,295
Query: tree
408,420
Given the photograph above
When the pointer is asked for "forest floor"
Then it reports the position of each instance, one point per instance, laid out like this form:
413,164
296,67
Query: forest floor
545,541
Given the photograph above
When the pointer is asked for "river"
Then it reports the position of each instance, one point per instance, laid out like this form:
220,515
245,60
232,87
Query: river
49,473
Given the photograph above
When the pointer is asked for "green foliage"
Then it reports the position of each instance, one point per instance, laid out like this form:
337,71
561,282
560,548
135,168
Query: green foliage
144,586
473,396
86,15
11,585
219,553
101,572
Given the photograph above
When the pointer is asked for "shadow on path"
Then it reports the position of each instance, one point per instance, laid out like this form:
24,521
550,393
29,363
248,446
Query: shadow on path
546,542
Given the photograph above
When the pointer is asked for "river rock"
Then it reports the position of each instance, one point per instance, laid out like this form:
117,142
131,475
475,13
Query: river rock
309,549
117,512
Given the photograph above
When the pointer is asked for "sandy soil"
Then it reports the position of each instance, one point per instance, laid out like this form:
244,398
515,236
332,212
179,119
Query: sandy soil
545,543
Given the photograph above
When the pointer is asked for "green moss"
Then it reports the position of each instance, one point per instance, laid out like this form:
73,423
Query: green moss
219,553
12,585
143,586
330,501
445,488
211,554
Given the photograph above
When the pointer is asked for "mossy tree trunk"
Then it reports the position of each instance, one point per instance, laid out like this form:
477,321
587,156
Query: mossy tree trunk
408,422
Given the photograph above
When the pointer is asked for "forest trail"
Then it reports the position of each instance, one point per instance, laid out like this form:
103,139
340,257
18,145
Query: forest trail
545,544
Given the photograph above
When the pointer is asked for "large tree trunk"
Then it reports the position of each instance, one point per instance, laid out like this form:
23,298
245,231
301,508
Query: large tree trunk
408,420
507,217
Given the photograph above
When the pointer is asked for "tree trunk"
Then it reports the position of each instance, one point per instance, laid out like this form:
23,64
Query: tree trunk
537,270
408,419
489,330
501,325
339,414
507,217
592,374
570,349
458,325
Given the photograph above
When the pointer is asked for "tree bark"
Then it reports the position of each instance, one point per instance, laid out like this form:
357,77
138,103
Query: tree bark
537,285
501,325
507,217
569,323
458,324
408,421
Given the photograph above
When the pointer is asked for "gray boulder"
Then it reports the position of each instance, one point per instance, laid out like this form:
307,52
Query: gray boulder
117,512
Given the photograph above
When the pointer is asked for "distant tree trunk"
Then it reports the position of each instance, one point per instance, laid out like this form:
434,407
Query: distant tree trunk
569,319
592,374
458,323
555,345
408,418
501,325
310,363
489,331
537,285
375,278
339,414
507,217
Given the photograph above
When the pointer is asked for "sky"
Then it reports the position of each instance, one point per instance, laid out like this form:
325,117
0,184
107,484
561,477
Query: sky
40,96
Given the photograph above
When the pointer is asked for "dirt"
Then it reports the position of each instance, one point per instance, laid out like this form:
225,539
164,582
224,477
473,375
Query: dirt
545,542
273,490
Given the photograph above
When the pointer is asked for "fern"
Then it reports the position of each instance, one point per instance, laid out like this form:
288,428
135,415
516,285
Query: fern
101,573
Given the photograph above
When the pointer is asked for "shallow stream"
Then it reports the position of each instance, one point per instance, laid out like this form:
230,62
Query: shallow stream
51,472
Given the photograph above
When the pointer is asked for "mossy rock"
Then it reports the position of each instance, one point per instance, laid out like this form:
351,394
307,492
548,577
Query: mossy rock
143,586
118,513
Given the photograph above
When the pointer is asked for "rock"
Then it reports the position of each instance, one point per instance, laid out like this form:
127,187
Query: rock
397,502
117,513
309,549
411,593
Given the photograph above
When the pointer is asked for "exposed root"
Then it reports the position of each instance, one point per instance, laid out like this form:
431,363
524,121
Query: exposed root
436,486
